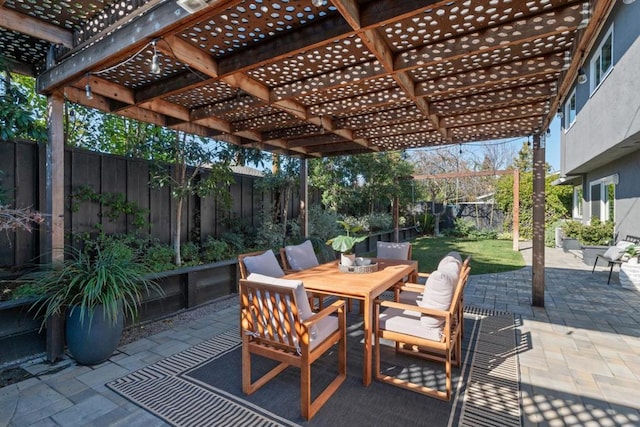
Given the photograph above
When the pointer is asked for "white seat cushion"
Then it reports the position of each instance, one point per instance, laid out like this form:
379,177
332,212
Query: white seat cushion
408,322
614,253
390,250
302,256
265,264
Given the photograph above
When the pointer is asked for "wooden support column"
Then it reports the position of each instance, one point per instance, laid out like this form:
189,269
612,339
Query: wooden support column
539,172
304,198
396,219
516,210
54,205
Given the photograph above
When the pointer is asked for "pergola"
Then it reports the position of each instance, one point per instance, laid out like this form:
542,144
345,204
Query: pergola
309,78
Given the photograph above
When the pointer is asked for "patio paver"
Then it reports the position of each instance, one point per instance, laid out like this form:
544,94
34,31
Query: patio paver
579,355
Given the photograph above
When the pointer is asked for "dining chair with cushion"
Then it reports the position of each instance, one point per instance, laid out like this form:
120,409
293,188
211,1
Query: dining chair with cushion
260,262
277,323
301,257
391,250
429,329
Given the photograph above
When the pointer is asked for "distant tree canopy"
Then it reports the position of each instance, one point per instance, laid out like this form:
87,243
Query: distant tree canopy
557,198
363,184
22,112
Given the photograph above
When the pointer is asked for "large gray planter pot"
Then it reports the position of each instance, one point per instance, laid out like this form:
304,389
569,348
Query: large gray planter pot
570,244
590,252
92,340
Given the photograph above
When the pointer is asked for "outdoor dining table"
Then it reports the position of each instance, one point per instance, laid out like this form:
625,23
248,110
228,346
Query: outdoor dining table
328,279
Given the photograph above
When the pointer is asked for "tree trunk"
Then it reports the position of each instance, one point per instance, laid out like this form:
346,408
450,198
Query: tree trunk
175,239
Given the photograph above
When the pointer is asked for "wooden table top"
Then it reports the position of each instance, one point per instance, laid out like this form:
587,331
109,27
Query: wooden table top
327,278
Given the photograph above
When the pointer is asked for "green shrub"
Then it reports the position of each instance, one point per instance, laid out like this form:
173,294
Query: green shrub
463,228
214,250
550,233
597,233
159,256
190,254
323,223
235,242
485,234
572,229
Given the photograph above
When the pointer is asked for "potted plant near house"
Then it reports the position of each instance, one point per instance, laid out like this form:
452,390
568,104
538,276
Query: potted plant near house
96,290
344,243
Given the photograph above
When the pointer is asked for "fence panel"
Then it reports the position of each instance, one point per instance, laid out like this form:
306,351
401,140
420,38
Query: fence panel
23,166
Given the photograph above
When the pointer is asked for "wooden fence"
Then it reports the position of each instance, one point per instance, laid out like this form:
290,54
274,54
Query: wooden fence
22,166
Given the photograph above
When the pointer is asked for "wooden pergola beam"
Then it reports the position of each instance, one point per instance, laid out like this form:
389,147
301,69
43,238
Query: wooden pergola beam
145,29
34,27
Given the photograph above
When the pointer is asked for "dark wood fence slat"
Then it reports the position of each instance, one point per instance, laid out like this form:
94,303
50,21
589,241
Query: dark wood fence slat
24,162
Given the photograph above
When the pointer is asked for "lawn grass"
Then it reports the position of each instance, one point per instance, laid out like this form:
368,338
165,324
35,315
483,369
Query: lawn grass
487,256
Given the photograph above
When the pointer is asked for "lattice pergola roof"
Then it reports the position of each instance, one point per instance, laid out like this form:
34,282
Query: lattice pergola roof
286,76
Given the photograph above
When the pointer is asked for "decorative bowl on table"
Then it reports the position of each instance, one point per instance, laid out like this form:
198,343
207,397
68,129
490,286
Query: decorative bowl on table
361,265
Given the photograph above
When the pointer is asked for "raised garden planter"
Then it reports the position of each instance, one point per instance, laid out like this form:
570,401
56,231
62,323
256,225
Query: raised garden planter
19,337
630,276
590,252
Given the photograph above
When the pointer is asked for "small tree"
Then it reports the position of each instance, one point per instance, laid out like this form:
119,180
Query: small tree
190,165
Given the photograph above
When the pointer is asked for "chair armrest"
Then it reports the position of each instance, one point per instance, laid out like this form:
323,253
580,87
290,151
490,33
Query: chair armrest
411,287
333,308
425,275
422,310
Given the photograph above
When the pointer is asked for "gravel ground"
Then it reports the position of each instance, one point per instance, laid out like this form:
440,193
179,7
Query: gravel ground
137,332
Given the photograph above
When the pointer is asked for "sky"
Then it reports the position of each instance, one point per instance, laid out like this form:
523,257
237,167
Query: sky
552,148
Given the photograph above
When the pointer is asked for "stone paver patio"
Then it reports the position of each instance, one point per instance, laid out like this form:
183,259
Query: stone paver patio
579,355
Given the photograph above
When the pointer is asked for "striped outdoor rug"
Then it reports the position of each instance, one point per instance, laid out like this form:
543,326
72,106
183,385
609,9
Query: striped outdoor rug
487,393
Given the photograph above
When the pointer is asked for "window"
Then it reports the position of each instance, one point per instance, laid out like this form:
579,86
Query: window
603,197
577,202
602,62
570,107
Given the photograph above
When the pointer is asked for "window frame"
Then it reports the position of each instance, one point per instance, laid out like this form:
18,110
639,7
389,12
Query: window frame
595,65
578,202
570,120
605,207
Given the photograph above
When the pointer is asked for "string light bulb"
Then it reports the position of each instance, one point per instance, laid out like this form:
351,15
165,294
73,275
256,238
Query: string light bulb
586,16
559,113
87,88
155,62
582,77
567,60
319,3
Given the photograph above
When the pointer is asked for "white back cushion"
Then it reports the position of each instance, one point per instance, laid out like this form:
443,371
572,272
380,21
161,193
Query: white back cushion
265,264
301,300
390,250
451,257
438,293
302,256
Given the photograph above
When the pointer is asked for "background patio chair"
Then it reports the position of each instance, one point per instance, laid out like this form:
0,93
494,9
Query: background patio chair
614,253
300,257
260,262
277,323
392,250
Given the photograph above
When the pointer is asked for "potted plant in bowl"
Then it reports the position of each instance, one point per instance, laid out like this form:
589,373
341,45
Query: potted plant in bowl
96,289
344,243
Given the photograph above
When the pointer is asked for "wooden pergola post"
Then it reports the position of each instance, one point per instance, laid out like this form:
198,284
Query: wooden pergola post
304,198
516,210
539,171
54,200
396,219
